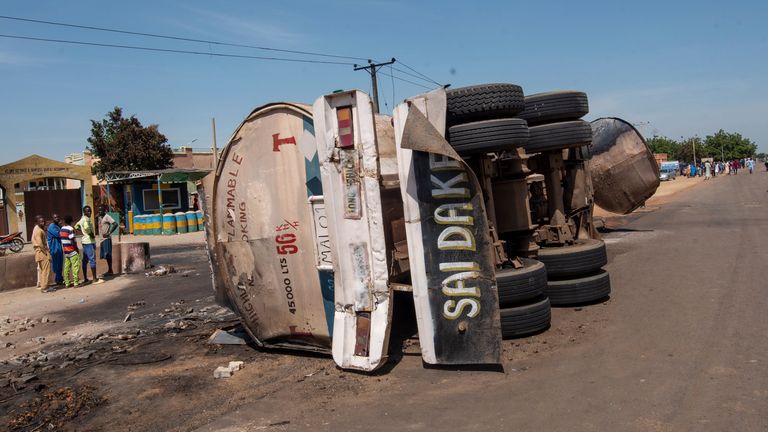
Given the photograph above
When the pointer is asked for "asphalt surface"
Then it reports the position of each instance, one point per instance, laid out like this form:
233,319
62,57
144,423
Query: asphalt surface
682,344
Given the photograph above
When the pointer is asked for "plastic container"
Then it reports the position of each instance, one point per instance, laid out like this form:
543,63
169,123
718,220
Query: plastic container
181,222
154,224
200,221
137,224
169,224
191,218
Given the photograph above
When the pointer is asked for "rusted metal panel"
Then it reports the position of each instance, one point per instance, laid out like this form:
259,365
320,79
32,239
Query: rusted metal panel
349,165
451,258
623,170
264,234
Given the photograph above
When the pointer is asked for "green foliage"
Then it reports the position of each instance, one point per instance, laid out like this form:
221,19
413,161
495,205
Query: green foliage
731,145
661,144
123,144
722,144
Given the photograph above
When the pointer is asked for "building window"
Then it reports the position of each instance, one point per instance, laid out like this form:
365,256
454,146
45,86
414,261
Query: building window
171,199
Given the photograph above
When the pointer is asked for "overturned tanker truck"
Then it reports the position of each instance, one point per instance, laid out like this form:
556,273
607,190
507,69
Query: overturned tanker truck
477,200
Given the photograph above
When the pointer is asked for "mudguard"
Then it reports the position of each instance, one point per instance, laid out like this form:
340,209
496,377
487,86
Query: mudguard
449,245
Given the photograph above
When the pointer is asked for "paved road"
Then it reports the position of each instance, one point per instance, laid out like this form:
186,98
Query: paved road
681,346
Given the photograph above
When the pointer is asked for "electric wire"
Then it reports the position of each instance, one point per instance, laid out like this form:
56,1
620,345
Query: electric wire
166,50
419,73
111,30
405,80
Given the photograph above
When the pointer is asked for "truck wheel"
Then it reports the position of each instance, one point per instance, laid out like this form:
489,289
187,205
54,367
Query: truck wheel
554,107
484,102
488,135
517,285
558,136
581,258
525,320
581,290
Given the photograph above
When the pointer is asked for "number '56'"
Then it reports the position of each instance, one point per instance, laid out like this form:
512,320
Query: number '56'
285,244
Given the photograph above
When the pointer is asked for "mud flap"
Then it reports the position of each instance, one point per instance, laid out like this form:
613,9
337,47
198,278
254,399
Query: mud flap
451,257
347,148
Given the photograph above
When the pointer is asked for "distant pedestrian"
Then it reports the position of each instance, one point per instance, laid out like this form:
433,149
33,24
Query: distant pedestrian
85,225
707,170
717,168
42,255
71,254
107,226
750,165
54,246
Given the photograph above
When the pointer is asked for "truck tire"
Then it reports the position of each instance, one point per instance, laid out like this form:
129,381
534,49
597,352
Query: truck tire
484,102
558,136
582,258
488,135
525,320
580,290
555,107
525,283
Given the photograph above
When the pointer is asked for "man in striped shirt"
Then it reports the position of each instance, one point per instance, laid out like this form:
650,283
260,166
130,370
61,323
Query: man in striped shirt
71,254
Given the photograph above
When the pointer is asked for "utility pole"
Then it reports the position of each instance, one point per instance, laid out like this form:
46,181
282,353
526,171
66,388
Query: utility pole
371,68
214,148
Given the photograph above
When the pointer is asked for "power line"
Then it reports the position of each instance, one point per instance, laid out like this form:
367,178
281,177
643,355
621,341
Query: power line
405,80
165,50
421,74
105,29
418,75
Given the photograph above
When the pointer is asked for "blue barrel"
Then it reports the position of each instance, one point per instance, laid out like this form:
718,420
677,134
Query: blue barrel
137,224
191,218
181,222
154,225
169,224
200,221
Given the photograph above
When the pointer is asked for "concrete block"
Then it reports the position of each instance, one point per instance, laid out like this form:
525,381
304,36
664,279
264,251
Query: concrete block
222,372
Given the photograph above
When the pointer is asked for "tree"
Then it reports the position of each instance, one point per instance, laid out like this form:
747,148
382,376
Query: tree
731,145
661,144
123,144
685,151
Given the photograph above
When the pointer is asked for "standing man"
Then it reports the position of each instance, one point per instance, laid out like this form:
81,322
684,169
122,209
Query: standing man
85,225
42,255
107,226
54,246
71,254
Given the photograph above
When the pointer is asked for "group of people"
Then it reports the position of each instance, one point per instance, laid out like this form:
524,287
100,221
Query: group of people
56,248
713,169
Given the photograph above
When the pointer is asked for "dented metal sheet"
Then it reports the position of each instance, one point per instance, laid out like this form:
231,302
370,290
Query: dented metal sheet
623,170
349,166
449,245
269,237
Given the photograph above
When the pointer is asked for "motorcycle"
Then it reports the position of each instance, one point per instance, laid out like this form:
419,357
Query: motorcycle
13,241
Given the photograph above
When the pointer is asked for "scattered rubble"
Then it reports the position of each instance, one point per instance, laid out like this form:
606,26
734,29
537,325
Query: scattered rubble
227,371
161,270
222,337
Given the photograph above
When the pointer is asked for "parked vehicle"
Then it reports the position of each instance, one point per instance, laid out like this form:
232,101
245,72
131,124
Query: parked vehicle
666,174
12,242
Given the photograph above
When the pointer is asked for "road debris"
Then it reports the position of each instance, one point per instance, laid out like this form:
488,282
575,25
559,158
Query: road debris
54,409
161,270
223,337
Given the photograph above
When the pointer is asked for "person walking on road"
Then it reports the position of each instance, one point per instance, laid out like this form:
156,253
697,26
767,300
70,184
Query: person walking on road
54,246
85,225
707,170
71,254
750,165
107,226
42,255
